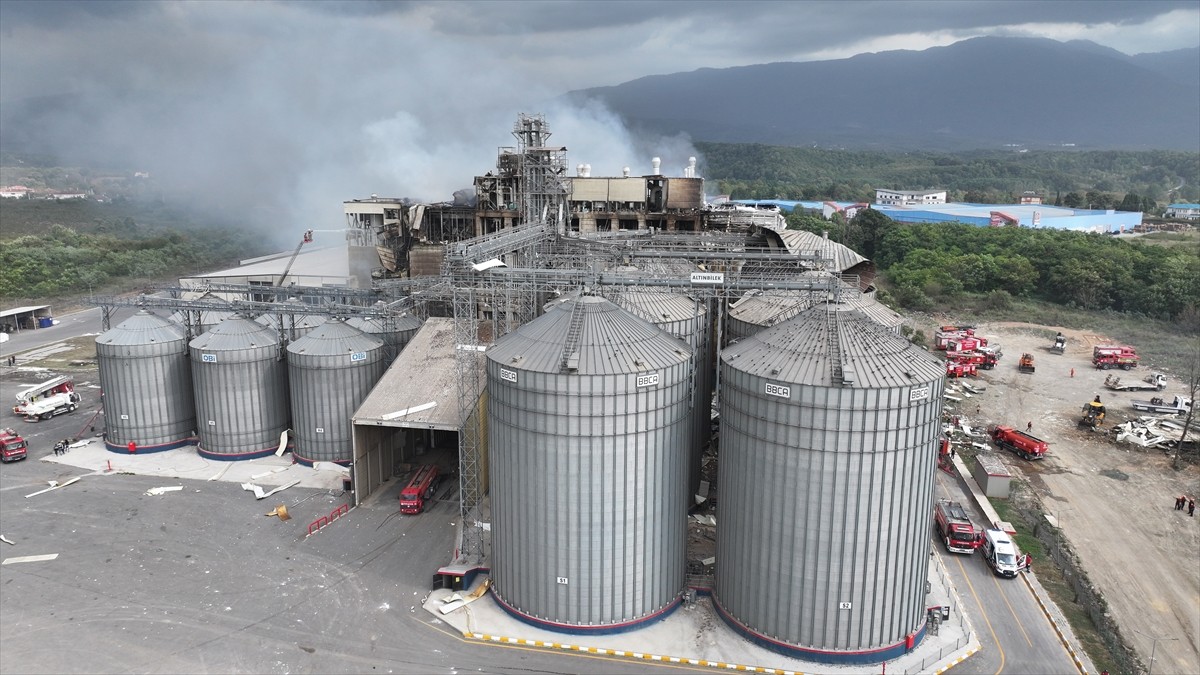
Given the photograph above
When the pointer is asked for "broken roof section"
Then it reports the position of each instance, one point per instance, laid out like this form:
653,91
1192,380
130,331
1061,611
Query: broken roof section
420,390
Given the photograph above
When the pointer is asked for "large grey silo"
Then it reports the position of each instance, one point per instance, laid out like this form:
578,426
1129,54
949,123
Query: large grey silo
395,330
829,425
587,415
147,384
330,371
686,318
240,379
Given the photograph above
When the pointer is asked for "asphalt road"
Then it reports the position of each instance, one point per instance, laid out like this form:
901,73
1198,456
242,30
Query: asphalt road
75,324
1015,635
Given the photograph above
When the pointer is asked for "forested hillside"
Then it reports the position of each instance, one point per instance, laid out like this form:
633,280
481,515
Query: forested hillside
994,177
51,249
926,265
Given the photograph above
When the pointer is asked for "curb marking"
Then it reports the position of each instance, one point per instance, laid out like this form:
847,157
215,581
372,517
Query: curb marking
1058,631
637,655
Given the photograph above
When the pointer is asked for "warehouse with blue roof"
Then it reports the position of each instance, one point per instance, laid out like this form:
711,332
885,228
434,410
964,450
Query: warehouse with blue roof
982,215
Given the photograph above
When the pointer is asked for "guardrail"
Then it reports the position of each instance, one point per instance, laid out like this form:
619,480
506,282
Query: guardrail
316,525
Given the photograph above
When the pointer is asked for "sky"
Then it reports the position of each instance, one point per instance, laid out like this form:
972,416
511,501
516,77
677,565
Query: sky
280,111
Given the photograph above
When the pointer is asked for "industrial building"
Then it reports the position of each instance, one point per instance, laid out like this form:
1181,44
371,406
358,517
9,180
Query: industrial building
1025,214
563,371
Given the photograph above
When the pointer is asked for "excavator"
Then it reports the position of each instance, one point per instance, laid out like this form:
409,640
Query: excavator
1093,414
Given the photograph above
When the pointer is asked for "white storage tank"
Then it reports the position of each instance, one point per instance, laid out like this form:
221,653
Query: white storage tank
587,428
147,383
240,379
331,370
829,430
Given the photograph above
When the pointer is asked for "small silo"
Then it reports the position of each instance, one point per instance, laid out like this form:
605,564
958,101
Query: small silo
147,385
395,330
829,426
240,379
293,325
686,318
330,371
587,414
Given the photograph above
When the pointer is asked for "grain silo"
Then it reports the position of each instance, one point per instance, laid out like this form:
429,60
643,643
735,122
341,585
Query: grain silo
240,380
757,310
687,319
829,425
587,414
147,385
395,330
330,371
292,325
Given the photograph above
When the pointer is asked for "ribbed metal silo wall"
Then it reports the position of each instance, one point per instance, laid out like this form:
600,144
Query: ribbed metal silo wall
588,485
823,537
241,401
147,392
326,389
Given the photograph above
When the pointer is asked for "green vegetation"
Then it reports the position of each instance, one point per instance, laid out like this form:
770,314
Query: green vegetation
50,250
1101,180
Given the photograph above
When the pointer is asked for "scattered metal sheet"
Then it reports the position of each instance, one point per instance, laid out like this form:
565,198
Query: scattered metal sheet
7,540
29,558
268,473
54,485
154,492
260,494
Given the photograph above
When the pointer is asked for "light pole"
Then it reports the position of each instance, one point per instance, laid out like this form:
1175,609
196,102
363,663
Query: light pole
1153,646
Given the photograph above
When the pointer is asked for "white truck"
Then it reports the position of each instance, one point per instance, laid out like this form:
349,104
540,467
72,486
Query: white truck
1000,553
43,401
54,404
1152,382
1160,406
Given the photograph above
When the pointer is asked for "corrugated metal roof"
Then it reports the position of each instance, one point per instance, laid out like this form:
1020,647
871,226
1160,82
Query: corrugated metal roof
843,256
659,308
332,338
768,308
143,328
236,332
799,352
423,373
609,340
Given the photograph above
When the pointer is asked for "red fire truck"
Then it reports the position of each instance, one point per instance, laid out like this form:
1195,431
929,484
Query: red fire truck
955,528
420,488
984,360
1114,356
1019,442
12,446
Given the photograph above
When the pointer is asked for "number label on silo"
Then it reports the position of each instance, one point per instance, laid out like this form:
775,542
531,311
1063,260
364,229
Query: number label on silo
918,394
845,605
208,358
358,356
778,390
647,380
320,430
124,417
508,375
212,423
562,580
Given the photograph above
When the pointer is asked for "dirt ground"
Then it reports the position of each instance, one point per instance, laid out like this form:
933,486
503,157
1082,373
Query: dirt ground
1115,503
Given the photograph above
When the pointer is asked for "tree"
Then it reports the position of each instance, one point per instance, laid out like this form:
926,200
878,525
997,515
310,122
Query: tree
867,230
1072,200
1189,318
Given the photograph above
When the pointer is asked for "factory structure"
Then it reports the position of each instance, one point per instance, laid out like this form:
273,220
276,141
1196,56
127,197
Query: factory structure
565,346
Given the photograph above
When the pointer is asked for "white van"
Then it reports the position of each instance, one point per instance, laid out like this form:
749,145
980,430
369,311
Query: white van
1000,553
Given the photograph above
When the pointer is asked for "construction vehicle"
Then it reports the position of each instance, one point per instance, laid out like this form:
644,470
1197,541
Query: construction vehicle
1152,382
43,401
12,446
1060,344
1114,356
1025,365
1177,405
945,460
1093,414
306,239
1023,444
58,385
1000,553
955,527
419,489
